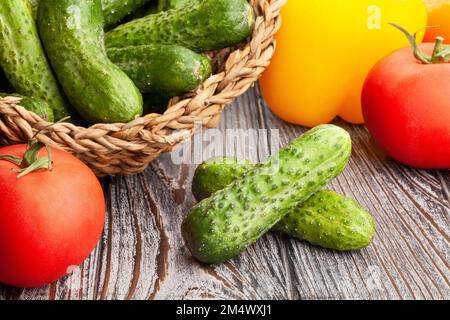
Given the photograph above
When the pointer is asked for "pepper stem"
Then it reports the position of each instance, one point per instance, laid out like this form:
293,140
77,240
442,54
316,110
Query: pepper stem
441,54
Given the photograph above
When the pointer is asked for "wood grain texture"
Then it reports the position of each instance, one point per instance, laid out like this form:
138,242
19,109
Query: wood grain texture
142,255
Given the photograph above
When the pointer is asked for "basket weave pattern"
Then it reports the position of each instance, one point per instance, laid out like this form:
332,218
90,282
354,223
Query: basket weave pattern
124,149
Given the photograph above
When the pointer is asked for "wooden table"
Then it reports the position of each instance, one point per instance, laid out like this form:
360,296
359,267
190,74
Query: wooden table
142,256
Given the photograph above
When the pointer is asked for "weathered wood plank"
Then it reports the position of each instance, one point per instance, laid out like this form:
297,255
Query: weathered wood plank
142,255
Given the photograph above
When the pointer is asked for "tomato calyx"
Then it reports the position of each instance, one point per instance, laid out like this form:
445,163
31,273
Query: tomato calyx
30,162
441,54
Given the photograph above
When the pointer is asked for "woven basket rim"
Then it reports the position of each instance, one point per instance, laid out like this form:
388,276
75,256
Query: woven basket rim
127,148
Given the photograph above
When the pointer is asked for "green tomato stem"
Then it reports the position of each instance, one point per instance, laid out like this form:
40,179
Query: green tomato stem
41,163
30,162
12,159
441,54
437,49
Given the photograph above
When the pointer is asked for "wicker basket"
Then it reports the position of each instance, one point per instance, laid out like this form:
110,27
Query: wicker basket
128,148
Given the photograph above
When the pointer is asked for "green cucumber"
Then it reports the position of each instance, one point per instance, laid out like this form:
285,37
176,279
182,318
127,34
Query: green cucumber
327,219
169,70
22,57
222,226
215,174
40,107
331,221
150,8
115,10
201,26
173,4
72,33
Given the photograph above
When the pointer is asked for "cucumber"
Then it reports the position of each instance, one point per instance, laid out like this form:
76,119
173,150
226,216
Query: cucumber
201,26
173,4
169,70
72,33
40,107
22,57
327,219
331,221
215,174
113,10
150,8
222,226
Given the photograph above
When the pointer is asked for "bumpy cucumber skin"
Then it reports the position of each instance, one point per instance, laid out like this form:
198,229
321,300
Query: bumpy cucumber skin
222,226
330,220
327,219
215,174
201,26
40,107
169,70
22,57
72,33
115,10
173,4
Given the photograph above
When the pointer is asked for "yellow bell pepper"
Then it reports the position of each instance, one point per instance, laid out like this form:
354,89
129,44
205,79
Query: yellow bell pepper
325,50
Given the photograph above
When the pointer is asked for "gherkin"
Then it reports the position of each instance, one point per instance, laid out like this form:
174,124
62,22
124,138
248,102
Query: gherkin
72,33
113,10
200,26
327,149
22,57
40,107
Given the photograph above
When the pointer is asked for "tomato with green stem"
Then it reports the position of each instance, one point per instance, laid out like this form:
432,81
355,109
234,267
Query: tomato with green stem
52,213
406,104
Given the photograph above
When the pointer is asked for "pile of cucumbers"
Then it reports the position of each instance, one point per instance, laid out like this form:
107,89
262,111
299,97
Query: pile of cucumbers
240,202
108,61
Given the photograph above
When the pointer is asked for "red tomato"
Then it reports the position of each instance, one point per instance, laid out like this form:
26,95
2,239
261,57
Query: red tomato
50,221
407,109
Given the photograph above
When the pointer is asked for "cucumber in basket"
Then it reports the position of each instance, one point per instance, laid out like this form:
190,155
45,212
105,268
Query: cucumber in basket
113,10
327,219
201,26
40,107
72,33
173,4
220,227
169,70
22,57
